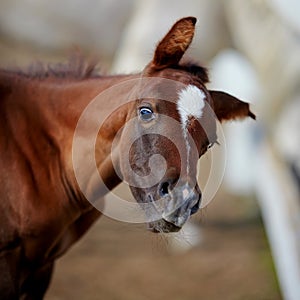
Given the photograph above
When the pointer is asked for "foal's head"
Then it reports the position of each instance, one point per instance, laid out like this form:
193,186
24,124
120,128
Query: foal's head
174,118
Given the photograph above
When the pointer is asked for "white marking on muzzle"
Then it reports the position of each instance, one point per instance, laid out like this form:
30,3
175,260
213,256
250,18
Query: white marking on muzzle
190,104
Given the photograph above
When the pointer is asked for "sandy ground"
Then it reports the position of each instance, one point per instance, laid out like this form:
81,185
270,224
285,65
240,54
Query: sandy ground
124,262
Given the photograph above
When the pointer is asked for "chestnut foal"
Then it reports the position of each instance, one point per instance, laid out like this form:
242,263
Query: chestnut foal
43,211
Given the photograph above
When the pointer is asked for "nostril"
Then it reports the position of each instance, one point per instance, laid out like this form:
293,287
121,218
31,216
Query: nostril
164,189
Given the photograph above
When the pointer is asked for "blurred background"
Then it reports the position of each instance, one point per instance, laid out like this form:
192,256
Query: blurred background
246,243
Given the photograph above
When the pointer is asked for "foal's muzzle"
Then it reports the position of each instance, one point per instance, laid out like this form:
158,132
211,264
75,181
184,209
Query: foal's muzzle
183,201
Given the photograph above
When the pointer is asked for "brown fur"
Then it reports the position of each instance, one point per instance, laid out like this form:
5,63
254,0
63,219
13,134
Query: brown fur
170,50
228,107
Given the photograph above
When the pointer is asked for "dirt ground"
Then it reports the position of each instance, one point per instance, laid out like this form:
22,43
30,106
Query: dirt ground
125,262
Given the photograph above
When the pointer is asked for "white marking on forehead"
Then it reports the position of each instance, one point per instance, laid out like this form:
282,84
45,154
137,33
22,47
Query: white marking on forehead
190,103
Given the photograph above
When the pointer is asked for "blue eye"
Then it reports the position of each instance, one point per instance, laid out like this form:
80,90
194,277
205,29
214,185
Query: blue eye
146,113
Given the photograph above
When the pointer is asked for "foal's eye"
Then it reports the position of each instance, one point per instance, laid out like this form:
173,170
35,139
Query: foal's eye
210,145
146,113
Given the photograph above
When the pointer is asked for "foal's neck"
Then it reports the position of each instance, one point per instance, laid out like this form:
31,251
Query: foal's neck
74,99
56,106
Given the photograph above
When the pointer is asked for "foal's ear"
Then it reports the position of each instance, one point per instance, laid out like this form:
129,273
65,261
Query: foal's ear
227,107
172,47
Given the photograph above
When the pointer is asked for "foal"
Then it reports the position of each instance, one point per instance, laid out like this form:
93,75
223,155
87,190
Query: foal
44,208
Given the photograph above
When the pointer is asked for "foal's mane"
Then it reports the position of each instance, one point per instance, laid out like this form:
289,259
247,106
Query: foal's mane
77,67
194,69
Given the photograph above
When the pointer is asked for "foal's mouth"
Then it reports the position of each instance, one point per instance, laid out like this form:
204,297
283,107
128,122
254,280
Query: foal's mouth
168,211
174,221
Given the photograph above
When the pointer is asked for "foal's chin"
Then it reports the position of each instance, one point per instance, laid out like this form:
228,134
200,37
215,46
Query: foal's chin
162,226
167,211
